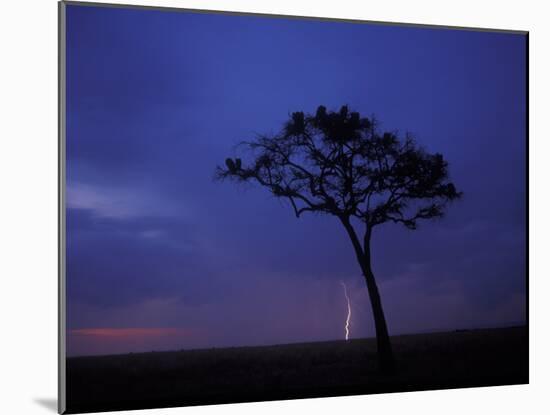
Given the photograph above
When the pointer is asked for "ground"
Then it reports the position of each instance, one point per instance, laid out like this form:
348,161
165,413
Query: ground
462,358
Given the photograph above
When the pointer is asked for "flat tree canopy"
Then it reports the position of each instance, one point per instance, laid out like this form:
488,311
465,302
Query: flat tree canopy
339,163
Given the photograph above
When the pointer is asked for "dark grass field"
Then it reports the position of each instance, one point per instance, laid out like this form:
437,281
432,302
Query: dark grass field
214,376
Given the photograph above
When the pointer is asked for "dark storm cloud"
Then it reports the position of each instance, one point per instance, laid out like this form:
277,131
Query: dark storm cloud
155,100
113,262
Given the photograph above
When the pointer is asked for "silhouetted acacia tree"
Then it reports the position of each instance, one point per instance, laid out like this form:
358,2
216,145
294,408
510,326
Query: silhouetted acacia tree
340,164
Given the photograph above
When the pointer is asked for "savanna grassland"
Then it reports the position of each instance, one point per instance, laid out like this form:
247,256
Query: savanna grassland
467,358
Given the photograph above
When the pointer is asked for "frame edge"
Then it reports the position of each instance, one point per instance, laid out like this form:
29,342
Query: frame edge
61,108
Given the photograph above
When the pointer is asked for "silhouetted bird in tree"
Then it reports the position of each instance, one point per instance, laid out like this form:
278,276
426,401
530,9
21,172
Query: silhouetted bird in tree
341,164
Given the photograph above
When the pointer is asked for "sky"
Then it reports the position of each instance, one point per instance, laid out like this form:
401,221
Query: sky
160,256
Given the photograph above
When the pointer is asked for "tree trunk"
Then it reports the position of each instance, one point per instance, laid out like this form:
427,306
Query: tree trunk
386,361
385,353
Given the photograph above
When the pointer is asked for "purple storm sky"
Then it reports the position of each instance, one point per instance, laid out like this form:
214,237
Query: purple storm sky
160,256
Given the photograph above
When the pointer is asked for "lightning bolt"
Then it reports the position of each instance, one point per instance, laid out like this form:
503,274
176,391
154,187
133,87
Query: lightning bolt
348,318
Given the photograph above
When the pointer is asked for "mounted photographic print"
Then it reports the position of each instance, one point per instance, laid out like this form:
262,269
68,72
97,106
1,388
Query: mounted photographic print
258,207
